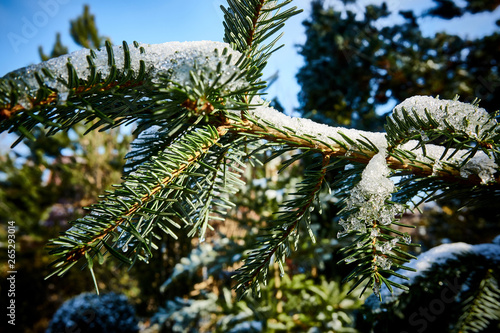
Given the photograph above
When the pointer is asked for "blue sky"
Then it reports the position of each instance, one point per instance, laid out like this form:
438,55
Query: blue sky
157,22
27,24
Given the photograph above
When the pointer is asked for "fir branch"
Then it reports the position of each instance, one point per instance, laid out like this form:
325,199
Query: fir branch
361,146
117,85
275,244
462,129
248,23
117,209
481,307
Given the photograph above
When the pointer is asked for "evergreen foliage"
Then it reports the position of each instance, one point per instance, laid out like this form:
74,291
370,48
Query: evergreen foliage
88,312
302,305
448,9
210,124
353,66
84,31
288,304
456,294
58,49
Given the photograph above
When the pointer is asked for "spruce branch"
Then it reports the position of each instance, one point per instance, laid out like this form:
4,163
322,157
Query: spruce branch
481,308
284,229
249,23
153,182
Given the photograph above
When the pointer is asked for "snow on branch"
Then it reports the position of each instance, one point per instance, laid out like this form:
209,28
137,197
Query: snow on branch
179,60
361,146
155,60
438,256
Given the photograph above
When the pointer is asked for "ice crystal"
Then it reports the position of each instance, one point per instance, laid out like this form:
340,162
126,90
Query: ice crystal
407,239
349,260
383,262
369,198
482,165
385,247
375,232
436,167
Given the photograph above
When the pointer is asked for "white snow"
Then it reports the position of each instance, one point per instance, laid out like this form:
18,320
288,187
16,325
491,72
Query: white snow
374,181
178,57
309,128
439,255
461,116
481,165
369,197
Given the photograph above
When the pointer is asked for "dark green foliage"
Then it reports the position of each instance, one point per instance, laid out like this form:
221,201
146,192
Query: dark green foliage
301,305
90,313
43,186
448,9
288,304
334,54
58,50
481,309
457,295
84,31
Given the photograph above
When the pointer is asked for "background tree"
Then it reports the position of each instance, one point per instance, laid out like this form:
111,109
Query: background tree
353,66
42,188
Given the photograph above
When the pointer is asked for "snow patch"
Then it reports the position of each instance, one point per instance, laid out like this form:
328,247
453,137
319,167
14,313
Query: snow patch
439,255
179,57
369,197
461,116
308,128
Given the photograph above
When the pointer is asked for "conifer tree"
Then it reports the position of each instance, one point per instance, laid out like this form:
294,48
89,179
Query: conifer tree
201,119
355,64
